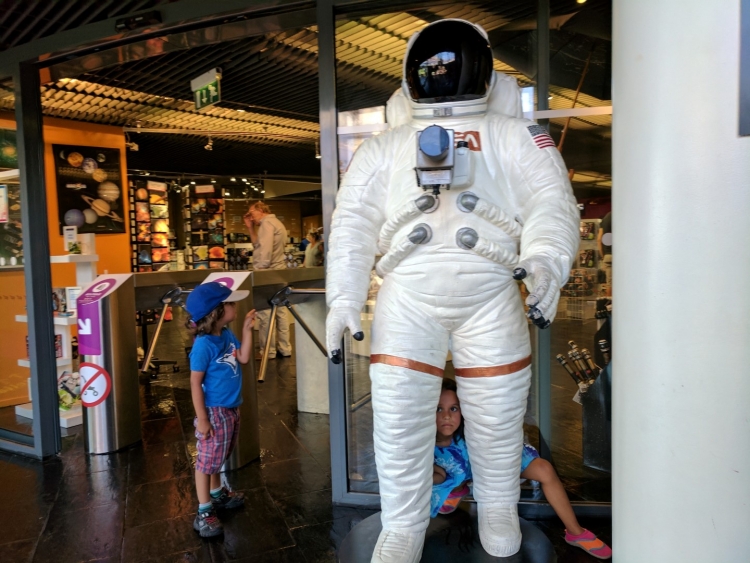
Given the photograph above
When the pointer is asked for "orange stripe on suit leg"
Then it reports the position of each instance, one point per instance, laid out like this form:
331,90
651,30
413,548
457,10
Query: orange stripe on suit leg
406,363
492,371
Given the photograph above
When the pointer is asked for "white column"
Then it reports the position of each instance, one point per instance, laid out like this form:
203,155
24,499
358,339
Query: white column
681,335
312,365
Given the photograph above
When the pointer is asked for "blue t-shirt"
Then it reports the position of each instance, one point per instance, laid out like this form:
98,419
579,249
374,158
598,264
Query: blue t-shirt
454,459
216,356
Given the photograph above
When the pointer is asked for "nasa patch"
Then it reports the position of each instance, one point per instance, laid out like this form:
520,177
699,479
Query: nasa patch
471,137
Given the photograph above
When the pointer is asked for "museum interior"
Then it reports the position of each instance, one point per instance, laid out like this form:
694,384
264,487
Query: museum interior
154,147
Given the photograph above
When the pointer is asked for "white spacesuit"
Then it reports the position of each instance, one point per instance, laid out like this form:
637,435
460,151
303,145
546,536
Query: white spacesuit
448,267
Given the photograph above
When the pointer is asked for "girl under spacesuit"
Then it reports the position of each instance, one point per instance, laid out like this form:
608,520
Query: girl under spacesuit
452,474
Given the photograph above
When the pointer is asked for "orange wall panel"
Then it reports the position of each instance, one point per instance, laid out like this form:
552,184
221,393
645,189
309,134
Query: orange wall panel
113,249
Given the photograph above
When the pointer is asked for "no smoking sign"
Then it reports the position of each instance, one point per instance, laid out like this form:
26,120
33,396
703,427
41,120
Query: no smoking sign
95,384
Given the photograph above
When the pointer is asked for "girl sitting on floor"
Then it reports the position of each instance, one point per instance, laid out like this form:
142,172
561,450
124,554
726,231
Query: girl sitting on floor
452,474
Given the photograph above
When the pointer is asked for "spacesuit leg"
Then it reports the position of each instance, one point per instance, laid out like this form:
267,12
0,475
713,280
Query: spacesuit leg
491,355
408,356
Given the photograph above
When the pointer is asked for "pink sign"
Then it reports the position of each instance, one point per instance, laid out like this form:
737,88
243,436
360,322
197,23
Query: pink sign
89,315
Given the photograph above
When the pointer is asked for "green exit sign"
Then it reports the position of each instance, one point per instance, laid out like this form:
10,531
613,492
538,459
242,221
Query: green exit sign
206,88
207,95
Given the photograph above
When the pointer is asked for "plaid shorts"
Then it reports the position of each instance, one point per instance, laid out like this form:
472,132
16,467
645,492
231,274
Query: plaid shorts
214,450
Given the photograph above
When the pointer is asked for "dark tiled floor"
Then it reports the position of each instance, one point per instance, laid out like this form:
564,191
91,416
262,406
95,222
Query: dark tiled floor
138,505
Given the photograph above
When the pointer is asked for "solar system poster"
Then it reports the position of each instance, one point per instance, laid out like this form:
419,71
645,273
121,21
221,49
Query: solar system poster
89,188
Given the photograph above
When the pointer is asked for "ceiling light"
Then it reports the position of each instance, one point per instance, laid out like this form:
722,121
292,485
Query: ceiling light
232,179
581,1
241,110
262,191
549,98
255,188
317,150
192,183
132,145
244,179
213,181
210,145
226,192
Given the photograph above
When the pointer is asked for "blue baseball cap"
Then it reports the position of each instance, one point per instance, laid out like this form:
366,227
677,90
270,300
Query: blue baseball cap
207,296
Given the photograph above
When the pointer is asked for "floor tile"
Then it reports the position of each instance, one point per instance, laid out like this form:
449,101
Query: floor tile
159,462
81,535
156,402
306,509
320,542
278,444
255,529
202,554
162,431
294,477
162,500
18,552
77,461
245,478
157,540
92,489
287,555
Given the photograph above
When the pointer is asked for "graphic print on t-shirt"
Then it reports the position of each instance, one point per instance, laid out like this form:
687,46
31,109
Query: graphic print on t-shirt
230,358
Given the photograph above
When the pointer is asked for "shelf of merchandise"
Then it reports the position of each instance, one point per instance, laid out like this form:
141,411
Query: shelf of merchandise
58,320
60,362
68,418
85,274
74,258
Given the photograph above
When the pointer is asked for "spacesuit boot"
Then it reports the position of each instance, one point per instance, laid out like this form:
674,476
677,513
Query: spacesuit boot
404,437
493,409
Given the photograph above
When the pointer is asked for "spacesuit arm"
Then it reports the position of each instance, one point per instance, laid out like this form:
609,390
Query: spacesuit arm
550,216
352,244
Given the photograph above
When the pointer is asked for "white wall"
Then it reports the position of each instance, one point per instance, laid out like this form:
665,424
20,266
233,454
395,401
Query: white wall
681,235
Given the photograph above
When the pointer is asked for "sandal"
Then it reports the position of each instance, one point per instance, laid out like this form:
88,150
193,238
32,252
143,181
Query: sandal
588,542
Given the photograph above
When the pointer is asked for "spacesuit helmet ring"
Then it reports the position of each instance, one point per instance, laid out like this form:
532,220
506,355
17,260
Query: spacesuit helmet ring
448,61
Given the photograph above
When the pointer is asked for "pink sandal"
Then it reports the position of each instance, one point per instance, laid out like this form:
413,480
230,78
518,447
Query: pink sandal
588,542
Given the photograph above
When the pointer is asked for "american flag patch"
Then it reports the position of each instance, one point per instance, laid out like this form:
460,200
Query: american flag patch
540,136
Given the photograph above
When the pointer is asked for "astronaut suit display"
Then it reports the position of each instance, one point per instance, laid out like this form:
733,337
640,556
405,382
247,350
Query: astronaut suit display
448,266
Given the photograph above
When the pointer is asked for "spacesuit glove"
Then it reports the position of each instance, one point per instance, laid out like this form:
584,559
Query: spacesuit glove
339,319
544,290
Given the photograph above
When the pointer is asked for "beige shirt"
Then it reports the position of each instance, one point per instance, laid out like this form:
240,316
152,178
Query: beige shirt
268,253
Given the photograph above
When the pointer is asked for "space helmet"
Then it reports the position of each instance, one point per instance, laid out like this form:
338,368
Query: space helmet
448,63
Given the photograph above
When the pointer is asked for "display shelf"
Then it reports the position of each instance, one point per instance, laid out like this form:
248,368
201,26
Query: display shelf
60,362
85,273
60,321
246,245
74,258
8,175
68,418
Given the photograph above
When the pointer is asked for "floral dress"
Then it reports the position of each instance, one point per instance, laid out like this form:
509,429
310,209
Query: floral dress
454,459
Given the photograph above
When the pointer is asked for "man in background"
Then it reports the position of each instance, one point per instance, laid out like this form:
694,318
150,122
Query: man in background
269,236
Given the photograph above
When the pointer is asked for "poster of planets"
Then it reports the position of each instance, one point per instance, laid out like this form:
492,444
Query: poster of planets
11,245
89,188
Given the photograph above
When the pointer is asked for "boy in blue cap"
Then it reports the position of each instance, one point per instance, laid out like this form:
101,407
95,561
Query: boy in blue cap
216,385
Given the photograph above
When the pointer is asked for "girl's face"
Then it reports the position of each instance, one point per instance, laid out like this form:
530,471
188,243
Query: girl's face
230,311
448,416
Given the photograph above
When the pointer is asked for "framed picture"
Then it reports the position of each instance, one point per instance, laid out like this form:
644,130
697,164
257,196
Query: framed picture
4,212
142,214
89,188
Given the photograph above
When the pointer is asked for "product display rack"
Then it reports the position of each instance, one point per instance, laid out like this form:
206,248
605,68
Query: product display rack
579,296
152,243
204,229
85,274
